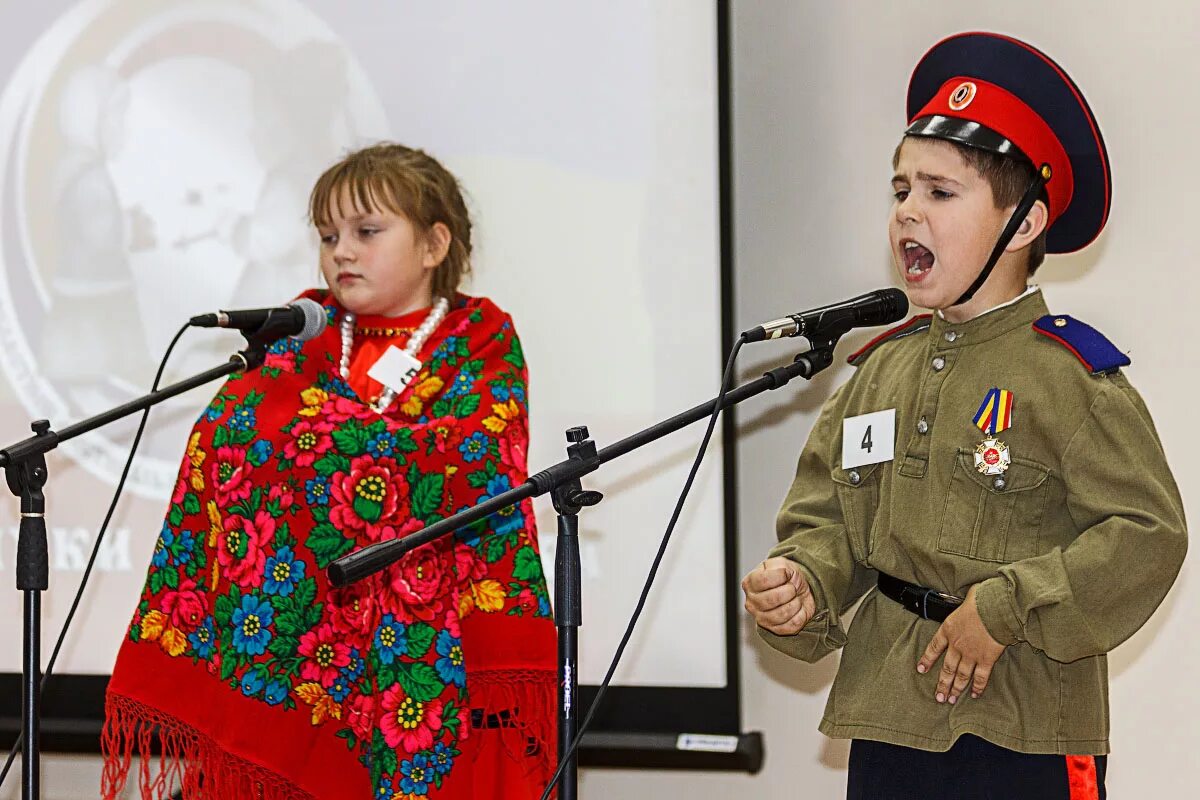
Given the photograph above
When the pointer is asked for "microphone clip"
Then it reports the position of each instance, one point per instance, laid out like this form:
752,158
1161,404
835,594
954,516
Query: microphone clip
826,337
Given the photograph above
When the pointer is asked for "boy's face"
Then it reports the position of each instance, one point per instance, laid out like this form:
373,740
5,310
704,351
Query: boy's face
375,261
943,226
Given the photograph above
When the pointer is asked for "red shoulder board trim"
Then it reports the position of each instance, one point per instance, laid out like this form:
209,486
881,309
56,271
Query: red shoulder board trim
915,325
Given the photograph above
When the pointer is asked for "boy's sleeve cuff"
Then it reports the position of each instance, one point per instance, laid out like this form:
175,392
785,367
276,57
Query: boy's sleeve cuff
994,601
821,636
818,639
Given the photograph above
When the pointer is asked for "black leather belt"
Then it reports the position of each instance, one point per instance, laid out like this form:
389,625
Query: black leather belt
927,603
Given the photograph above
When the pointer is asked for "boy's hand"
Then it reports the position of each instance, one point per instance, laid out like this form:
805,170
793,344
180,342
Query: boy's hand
778,596
970,653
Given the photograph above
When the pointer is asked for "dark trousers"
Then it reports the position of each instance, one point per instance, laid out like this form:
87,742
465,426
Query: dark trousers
970,770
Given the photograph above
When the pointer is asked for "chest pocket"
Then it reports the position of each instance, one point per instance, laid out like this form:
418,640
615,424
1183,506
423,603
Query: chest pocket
994,520
858,493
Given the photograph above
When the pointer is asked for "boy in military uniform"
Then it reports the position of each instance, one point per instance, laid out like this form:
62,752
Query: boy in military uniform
988,478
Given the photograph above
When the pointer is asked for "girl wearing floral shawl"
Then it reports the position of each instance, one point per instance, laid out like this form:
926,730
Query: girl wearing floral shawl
434,678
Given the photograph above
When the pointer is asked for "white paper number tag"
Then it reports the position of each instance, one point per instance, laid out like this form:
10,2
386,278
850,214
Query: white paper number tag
869,438
395,369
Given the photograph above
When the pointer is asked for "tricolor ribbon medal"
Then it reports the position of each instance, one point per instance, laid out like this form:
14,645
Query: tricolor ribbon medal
994,416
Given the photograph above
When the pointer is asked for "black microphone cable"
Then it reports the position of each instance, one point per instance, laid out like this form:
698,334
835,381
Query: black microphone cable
96,547
658,557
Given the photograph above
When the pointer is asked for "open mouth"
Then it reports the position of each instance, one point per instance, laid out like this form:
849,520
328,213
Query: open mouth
918,259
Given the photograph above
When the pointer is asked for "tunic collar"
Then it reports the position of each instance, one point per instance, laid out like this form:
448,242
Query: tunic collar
1017,313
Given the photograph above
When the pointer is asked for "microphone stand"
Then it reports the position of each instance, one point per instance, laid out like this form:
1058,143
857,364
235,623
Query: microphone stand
569,497
24,464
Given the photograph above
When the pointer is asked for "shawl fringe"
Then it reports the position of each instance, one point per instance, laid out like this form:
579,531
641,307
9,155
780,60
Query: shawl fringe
520,702
531,696
188,761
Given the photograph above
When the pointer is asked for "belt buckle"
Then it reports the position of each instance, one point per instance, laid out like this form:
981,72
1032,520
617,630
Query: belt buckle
948,598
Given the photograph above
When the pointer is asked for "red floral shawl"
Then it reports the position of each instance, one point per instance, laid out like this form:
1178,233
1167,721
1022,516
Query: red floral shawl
435,678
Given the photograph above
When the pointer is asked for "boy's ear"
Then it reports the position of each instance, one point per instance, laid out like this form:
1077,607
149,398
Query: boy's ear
437,244
1030,228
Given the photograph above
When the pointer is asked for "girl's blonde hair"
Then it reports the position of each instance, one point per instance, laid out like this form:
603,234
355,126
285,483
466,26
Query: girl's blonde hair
405,181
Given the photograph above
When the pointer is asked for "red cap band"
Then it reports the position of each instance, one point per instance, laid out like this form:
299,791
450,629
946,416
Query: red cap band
1001,111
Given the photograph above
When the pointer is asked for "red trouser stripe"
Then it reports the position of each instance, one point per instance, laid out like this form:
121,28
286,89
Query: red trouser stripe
1081,777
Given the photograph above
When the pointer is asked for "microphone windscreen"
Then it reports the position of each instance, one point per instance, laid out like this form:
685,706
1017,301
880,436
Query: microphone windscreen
314,318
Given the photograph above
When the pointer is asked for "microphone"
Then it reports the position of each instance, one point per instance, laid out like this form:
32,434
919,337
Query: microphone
879,307
301,319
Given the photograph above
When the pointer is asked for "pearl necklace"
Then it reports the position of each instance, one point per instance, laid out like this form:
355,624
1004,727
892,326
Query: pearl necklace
426,329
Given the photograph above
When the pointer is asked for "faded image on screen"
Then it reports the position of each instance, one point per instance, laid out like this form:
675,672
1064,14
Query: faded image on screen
157,160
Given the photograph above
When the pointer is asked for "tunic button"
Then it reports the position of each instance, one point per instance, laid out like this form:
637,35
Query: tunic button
951,336
854,477
939,364
922,426
999,484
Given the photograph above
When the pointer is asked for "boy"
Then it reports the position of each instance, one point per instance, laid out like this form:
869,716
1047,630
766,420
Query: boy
1026,522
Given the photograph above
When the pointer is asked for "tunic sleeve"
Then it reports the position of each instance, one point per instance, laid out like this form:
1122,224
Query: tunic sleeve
812,533
1089,597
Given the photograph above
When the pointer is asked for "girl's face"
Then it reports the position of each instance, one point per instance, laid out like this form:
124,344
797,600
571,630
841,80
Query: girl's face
376,261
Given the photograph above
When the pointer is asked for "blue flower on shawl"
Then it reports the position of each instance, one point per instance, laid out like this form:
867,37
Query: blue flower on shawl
285,345
203,638
162,552
316,491
383,444
259,452
244,418
506,520
339,386
252,683
276,691
182,548
474,447
390,639
449,348
463,382
340,689
250,625
442,758
417,774
355,669
450,664
502,393
282,572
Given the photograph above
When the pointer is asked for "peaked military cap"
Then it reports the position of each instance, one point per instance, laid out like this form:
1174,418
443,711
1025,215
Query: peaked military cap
1000,94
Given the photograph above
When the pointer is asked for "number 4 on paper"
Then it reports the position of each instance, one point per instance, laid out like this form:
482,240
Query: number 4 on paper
868,438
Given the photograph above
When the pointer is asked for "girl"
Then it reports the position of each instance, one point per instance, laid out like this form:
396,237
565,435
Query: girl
434,678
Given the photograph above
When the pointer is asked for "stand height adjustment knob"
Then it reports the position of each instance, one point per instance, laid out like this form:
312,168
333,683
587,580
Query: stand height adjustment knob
577,434
40,426
585,497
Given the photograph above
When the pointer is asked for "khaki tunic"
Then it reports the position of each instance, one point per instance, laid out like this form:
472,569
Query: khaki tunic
1071,556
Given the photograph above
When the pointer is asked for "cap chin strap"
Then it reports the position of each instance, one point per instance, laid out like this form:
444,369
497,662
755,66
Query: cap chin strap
1010,230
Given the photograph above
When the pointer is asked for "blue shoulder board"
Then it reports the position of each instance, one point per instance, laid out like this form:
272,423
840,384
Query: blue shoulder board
1097,353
